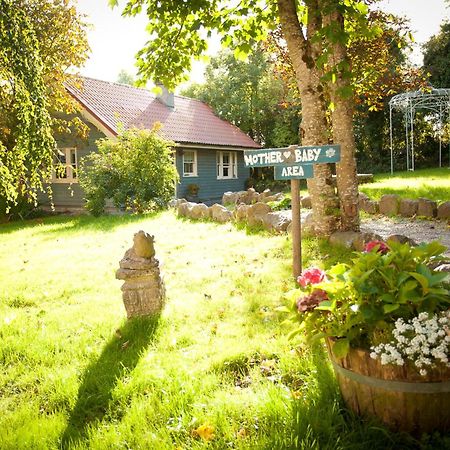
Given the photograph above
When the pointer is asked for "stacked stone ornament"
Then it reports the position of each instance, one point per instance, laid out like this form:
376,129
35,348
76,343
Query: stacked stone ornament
143,291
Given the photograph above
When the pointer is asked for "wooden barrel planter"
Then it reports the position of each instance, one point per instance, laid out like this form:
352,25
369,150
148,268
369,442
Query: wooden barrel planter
401,398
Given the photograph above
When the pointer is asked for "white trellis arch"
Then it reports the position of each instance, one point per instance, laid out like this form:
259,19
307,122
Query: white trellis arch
434,100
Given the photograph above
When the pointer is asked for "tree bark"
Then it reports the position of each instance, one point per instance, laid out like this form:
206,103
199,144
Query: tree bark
342,120
303,53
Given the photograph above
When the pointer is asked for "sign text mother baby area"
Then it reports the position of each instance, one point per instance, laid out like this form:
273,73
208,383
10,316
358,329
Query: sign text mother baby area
287,155
294,163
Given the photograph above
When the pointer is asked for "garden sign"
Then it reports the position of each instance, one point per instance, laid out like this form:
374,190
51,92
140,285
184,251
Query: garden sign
294,163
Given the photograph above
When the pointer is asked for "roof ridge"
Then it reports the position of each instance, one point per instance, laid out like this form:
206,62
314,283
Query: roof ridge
118,84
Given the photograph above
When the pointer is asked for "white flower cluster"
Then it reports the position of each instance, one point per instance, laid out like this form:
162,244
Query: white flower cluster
424,341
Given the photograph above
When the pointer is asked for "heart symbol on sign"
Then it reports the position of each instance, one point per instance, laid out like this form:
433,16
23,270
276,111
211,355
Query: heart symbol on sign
287,155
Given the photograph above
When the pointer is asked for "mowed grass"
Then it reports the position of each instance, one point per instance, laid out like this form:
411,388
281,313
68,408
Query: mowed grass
215,370
433,184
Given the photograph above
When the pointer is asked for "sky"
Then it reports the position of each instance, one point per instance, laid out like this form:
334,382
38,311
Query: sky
114,40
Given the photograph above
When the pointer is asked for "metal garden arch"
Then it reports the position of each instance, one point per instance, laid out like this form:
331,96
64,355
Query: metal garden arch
434,100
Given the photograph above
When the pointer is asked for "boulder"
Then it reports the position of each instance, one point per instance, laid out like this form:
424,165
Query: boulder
264,194
184,208
306,202
408,207
389,204
219,213
256,211
427,208
276,221
443,211
230,198
344,238
362,199
370,207
271,198
402,239
307,225
174,203
251,197
199,211
240,213
363,238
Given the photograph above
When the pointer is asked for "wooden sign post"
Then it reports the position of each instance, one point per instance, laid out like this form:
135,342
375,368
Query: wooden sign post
293,163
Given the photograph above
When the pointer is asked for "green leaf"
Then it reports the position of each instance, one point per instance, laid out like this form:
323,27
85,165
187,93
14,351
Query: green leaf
283,309
341,347
421,279
389,308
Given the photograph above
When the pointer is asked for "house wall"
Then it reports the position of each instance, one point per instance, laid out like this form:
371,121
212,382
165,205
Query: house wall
211,189
70,195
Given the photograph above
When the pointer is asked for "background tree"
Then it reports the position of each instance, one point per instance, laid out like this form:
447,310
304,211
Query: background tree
41,40
436,57
63,47
26,142
136,171
176,30
380,70
125,77
251,96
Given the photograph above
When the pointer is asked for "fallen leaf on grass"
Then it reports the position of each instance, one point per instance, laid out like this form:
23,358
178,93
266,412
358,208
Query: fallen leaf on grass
205,431
242,433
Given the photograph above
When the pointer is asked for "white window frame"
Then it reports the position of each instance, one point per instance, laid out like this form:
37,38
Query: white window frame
71,175
232,165
194,164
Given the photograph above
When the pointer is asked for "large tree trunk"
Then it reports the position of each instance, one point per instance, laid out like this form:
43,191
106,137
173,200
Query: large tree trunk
342,119
303,53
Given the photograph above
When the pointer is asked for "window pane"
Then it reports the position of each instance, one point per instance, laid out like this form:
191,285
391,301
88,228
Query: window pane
73,162
189,166
188,156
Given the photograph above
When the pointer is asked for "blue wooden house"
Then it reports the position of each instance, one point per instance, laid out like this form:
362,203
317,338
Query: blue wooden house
208,153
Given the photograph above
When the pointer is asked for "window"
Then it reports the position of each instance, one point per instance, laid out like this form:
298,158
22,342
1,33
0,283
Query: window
226,165
66,164
190,163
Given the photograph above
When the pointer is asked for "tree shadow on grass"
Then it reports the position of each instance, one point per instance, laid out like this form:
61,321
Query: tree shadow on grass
118,358
75,223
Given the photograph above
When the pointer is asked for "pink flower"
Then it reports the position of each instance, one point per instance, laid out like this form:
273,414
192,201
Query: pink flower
310,301
312,275
379,245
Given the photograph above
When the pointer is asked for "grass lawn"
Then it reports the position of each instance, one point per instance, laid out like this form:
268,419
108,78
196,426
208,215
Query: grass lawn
433,184
215,370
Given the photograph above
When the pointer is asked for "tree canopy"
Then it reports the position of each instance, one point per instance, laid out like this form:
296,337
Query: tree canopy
316,33
40,40
26,142
251,96
436,57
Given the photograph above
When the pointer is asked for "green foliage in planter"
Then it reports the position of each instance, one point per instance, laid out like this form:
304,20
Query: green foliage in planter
354,302
136,171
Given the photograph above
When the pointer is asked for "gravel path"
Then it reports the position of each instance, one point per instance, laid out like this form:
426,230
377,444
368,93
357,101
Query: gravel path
418,230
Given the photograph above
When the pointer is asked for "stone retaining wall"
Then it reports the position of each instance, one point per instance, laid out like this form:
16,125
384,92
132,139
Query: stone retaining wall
251,207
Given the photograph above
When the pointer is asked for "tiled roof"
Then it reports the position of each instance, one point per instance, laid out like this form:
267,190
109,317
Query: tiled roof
191,121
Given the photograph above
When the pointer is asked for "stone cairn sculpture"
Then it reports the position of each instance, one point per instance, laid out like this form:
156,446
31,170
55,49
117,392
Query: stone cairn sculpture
143,291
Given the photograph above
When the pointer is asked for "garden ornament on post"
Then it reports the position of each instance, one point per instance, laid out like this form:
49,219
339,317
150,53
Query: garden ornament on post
143,291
